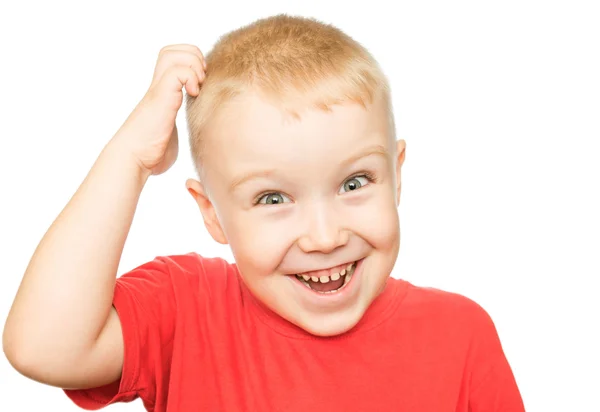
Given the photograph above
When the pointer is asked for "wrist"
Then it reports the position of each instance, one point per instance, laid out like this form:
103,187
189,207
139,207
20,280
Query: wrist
120,153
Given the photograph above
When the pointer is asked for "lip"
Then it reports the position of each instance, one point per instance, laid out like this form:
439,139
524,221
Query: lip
329,268
336,297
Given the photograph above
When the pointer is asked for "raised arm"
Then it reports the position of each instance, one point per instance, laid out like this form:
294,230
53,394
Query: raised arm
62,329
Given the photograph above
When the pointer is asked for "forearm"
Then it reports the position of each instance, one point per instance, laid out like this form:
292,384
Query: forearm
66,293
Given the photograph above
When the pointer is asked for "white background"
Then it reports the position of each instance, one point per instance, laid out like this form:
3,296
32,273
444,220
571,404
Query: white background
499,103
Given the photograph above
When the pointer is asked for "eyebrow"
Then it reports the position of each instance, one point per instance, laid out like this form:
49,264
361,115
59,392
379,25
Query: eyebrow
375,149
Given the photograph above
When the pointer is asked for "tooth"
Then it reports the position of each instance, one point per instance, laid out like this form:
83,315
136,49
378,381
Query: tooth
343,272
305,283
314,278
306,277
335,276
347,279
324,279
349,266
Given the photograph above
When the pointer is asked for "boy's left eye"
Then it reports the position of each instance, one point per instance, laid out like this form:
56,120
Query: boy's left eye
353,183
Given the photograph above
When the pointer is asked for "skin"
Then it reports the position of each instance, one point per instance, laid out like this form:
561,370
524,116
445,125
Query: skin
316,221
62,329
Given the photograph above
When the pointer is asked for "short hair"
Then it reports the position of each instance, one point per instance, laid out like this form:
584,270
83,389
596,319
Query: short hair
296,62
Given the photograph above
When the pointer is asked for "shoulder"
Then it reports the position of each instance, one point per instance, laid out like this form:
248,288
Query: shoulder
446,308
182,272
429,299
188,264
449,322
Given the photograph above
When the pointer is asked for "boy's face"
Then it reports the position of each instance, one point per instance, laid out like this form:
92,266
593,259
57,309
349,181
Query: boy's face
316,208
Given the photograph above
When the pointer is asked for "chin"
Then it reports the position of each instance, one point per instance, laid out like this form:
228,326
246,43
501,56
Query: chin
329,325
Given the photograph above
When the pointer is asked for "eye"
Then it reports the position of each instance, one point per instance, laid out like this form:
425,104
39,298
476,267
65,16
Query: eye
274,198
352,184
356,182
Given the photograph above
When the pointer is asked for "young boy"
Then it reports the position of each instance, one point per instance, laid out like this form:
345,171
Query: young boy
293,138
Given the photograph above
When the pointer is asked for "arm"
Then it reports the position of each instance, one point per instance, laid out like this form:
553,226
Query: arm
493,385
61,323
62,329
497,391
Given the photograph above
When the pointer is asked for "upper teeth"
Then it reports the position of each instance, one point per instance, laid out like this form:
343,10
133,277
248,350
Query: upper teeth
327,278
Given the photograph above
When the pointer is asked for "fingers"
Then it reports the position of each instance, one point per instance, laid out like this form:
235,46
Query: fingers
181,55
176,77
189,48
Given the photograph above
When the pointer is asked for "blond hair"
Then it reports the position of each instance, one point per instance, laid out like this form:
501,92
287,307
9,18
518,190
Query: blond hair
296,62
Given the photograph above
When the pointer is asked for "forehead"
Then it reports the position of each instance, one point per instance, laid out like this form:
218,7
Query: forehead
250,132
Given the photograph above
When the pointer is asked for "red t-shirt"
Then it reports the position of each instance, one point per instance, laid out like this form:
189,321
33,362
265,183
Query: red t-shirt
197,340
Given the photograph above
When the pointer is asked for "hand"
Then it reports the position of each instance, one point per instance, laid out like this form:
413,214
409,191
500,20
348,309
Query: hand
150,133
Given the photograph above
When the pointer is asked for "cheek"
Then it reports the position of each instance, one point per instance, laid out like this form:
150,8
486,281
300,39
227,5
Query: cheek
260,242
380,222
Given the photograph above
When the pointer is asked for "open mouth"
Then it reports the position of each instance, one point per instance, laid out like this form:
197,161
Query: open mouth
331,283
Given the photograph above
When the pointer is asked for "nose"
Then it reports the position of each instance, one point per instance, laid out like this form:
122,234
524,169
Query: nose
323,231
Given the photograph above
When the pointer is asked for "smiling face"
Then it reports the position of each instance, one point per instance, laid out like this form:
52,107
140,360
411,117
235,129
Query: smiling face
295,196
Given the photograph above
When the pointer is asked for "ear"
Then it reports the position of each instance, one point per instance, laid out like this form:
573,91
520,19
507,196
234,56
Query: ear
211,221
401,150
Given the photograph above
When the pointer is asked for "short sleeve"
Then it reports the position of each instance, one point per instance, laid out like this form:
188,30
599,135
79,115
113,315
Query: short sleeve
145,303
493,387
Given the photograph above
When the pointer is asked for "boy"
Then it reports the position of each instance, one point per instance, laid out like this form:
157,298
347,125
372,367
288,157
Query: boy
293,138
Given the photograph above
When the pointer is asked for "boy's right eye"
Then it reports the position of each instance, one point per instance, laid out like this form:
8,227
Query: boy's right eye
274,198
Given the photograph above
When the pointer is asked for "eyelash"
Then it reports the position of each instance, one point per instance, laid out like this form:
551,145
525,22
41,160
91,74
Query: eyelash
369,176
